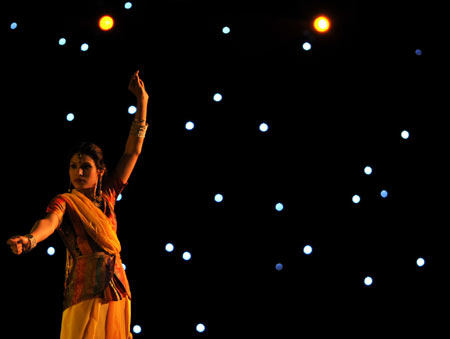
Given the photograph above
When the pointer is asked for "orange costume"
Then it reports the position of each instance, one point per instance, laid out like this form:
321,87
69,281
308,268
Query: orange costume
97,294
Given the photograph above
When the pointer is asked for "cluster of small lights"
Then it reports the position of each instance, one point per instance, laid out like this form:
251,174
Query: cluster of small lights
307,250
322,25
170,248
368,170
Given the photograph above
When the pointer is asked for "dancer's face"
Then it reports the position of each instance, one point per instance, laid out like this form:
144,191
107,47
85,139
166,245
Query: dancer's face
83,172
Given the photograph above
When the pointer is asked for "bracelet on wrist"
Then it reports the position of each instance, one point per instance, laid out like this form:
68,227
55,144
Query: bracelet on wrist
32,242
138,130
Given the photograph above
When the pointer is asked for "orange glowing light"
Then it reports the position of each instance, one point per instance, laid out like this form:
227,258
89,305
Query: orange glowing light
322,24
106,23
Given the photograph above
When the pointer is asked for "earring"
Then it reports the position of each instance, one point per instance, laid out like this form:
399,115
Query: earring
70,186
98,190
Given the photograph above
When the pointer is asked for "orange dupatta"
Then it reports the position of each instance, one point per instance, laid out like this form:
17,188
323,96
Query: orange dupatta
95,222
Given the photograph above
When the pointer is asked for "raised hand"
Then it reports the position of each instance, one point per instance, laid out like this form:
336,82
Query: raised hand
136,86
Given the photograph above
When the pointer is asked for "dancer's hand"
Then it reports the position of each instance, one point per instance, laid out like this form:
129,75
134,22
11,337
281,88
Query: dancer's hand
136,86
18,244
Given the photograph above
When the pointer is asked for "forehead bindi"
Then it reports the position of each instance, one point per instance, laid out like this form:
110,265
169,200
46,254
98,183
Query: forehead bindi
81,159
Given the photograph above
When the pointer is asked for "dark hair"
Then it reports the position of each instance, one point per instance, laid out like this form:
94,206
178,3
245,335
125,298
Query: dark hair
92,150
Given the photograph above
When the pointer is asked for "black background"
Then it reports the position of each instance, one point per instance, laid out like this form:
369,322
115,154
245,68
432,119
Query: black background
331,111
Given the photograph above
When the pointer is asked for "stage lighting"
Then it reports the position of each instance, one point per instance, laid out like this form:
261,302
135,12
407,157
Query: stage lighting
405,134
119,197
226,30
368,281
137,329
279,267
132,109
321,24
169,247
84,47
51,250
106,23
128,5
306,46
368,170
124,266
189,126
279,207
62,41
307,249
200,328
356,199
217,97
263,127
384,194
186,256
13,25
420,262
218,197
418,52
70,116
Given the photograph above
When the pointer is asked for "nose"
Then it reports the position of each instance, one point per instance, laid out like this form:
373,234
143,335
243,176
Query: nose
80,172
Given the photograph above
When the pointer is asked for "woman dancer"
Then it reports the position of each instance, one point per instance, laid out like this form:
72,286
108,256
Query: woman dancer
97,294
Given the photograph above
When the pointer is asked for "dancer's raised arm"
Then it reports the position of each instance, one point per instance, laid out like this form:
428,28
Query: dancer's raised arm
138,129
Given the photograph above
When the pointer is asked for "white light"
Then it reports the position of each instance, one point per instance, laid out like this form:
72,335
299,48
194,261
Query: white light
189,126
70,117
51,251
169,247
307,46
226,30
137,329
405,134
119,197
187,256
217,97
200,328
356,199
62,41
128,5
420,262
263,127
368,281
279,207
124,266
279,267
132,109
13,25
384,194
368,170
307,249
84,47
218,197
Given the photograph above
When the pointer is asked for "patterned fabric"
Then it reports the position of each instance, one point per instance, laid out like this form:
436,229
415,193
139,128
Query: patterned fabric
90,271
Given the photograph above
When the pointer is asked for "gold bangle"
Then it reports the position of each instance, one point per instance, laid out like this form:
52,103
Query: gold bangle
138,130
33,242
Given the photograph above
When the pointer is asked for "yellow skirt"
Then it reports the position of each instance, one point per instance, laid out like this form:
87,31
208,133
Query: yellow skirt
92,319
